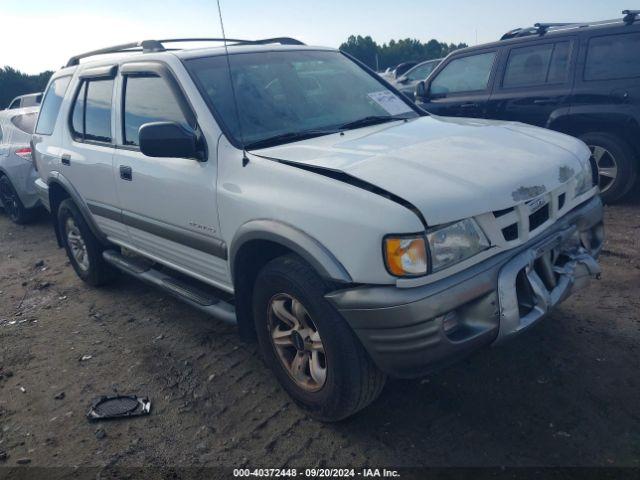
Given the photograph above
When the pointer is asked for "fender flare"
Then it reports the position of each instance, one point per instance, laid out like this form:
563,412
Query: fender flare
310,249
57,179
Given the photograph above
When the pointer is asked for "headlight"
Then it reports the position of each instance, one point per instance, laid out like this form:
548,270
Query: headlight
584,179
455,242
405,256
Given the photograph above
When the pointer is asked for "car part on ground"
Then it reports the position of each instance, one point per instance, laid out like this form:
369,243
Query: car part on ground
118,406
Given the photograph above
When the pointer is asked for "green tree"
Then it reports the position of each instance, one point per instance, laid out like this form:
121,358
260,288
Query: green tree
391,54
14,83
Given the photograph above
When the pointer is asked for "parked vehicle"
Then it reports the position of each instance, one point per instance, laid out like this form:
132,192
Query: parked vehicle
407,82
579,79
18,196
396,72
319,209
24,101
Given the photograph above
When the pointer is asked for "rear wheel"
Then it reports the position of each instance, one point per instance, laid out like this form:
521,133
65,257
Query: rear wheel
12,204
308,345
616,163
83,248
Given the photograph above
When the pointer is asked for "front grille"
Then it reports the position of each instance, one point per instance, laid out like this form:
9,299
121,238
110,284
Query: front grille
502,213
538,217
511,232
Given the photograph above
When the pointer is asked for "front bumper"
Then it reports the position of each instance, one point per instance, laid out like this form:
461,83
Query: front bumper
410,332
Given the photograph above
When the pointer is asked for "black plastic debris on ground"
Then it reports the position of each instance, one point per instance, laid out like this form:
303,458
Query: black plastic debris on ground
118,406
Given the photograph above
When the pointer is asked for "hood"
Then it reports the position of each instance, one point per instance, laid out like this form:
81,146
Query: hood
449,168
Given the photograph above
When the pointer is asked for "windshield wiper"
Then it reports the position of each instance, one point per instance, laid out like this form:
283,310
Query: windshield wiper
288,138
367,121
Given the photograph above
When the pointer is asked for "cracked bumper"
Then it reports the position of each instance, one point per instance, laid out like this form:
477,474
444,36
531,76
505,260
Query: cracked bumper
410,332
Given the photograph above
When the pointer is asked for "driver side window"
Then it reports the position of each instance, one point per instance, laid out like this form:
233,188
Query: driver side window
467,74
148,99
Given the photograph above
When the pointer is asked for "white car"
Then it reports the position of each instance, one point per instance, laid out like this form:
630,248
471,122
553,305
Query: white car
18,196
355,235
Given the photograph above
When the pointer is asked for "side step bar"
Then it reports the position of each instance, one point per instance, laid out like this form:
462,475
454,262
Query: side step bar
201,298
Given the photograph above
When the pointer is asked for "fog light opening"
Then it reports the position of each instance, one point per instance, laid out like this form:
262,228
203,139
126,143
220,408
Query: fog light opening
450,322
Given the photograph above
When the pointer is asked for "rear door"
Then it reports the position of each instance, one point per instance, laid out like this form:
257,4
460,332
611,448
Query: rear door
535,82
461,86
87,157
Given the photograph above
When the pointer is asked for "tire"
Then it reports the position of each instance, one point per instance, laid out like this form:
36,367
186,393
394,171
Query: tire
76,235
12,204
351,381
611,151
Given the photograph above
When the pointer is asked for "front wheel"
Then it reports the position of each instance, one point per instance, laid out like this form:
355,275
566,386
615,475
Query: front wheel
83,248
308,345
616,163
12,204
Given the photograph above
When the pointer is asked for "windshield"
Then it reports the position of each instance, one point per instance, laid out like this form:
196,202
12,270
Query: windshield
290,95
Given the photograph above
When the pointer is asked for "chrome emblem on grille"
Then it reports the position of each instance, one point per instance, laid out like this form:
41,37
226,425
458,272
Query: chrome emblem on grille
537,204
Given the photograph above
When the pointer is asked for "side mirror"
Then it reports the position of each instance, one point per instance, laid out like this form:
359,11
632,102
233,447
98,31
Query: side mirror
168,140
422,92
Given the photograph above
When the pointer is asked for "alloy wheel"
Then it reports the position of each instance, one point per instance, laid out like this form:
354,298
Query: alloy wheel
607,166
297,342
9,201
76,243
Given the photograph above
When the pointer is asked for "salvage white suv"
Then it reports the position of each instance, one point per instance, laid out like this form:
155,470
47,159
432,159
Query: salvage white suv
307,200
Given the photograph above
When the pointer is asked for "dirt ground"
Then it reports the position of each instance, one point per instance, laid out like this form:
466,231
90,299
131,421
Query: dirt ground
566,393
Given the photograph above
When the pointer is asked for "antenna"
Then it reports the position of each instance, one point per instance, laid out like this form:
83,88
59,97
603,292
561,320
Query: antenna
245,159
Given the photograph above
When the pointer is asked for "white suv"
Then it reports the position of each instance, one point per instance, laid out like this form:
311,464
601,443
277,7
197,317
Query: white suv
307,200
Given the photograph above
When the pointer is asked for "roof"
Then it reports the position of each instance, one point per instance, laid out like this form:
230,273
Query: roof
546,30
126,50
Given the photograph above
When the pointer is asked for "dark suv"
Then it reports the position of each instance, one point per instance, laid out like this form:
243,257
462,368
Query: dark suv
580,79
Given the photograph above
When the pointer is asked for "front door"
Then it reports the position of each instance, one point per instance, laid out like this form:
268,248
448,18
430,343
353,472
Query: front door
461,87
168,204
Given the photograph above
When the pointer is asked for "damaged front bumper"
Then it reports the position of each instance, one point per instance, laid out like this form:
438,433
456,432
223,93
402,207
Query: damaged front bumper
409,332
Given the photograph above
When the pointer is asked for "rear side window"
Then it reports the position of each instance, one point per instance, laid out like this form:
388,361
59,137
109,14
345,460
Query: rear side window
91,116
26,122
148,99
537,65
613,56
466,74
51,105
421,72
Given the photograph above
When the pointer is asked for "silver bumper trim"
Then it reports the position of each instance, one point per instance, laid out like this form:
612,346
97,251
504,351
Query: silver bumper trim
573,274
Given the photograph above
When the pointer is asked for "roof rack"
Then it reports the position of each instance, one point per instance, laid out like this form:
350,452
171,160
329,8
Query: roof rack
150,46
630,16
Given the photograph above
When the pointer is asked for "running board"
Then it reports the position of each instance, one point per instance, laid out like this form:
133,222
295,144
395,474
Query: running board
201,298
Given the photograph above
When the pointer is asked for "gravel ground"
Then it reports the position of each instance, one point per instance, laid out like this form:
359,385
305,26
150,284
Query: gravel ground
566,393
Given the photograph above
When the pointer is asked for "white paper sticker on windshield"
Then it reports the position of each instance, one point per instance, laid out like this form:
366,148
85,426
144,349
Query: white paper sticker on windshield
390,102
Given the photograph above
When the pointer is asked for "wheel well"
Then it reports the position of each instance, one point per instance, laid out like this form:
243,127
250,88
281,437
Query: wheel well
248,262
56,195
623,127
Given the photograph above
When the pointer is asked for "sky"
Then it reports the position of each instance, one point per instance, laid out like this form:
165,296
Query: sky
41,35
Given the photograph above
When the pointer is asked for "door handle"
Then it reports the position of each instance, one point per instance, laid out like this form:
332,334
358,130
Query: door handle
126,173
469,105
66,159
545,101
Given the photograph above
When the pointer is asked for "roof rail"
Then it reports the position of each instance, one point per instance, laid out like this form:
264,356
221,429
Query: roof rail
630,16
150,46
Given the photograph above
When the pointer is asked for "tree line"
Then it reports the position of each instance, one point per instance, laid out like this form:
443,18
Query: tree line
14,83
381,57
